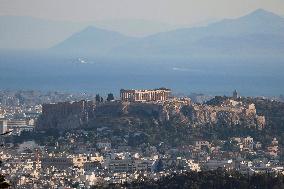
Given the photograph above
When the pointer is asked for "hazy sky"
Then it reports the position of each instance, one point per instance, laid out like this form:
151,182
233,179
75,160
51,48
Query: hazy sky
169,11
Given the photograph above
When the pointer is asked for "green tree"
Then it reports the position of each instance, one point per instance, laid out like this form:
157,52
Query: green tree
98,98
110,97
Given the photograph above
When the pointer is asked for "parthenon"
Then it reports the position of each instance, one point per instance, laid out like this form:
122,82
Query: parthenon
132,95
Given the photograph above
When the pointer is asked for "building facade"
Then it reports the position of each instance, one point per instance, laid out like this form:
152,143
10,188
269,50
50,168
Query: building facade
20,125
161,94
3,126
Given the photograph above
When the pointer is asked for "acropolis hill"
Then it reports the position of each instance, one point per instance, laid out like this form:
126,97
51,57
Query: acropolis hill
162,110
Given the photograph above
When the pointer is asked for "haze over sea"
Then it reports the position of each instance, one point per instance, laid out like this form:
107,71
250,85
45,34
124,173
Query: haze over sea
214,76
243,53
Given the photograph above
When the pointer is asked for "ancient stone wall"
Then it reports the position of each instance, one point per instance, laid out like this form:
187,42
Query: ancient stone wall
65,115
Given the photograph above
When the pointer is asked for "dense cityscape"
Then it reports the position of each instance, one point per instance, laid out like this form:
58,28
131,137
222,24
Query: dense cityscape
144,94
61,140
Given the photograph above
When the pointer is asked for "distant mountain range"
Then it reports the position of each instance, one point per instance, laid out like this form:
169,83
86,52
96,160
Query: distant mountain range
258,33
91,41
137,27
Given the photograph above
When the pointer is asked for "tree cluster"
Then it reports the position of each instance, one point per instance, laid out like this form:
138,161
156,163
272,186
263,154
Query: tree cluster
110,97
218,179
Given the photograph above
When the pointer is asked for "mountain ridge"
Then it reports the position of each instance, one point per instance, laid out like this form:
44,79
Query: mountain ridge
255,27
259,32
91,40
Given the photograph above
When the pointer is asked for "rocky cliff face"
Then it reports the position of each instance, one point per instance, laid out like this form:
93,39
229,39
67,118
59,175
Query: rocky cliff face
182,112
200,115
229,114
